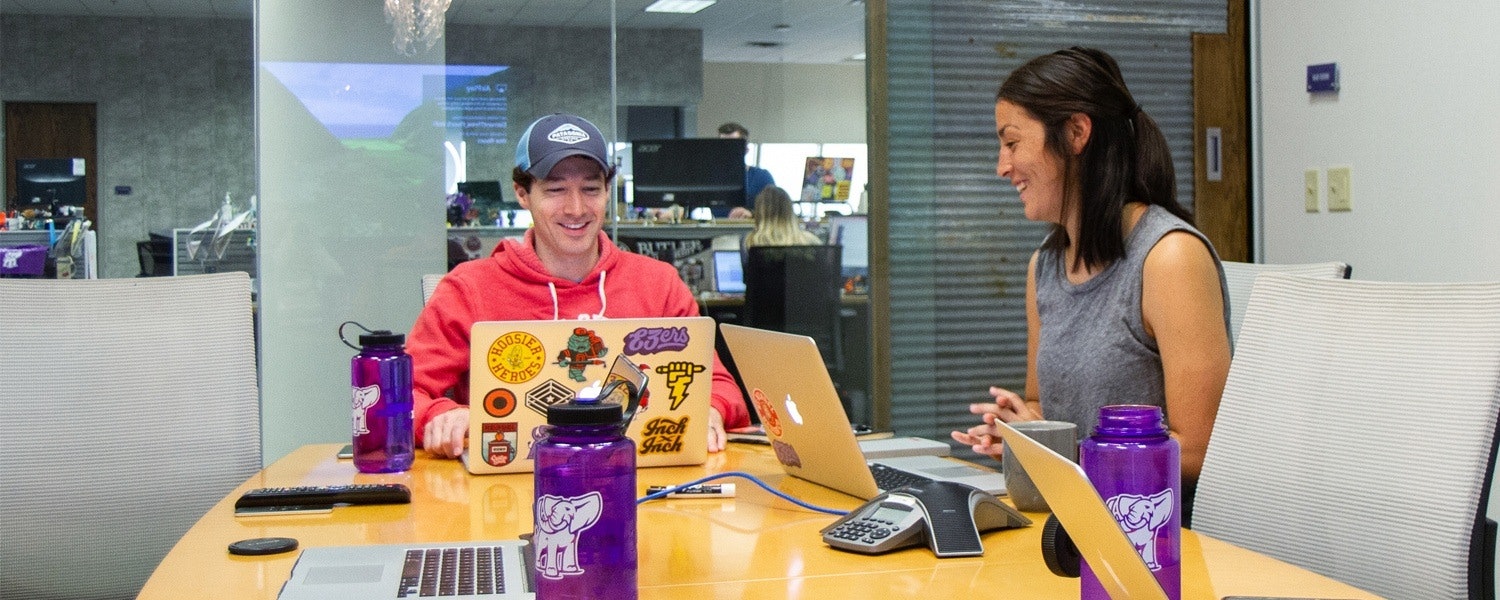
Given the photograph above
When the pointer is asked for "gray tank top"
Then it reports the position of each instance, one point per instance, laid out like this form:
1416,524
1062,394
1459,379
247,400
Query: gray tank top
1093,349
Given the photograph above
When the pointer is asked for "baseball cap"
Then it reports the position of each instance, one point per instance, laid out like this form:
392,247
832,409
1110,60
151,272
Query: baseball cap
554,137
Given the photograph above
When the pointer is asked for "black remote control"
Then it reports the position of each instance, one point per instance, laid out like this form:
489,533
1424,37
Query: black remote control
326,495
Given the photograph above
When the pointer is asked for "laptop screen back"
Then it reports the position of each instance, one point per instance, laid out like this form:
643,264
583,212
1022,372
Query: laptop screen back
1081,511
729,272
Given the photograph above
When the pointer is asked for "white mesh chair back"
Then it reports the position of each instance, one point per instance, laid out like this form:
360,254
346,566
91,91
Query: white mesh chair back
1357,428
429,283
128,408
1239,277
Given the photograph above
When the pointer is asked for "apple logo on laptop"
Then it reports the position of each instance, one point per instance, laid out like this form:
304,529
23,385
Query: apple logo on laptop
791,410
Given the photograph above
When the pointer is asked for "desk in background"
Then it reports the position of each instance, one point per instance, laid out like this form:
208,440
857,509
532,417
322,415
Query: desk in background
86,268
752,546
195,253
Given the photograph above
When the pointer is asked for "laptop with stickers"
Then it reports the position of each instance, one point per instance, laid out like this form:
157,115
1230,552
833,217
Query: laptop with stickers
792,393
519,368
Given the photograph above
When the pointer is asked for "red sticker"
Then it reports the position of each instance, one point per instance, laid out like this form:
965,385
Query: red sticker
499,403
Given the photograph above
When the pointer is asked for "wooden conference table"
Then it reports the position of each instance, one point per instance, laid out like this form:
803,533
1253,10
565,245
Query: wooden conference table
753,546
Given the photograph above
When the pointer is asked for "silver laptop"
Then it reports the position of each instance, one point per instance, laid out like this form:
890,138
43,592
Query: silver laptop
1077,505
805,422
461,571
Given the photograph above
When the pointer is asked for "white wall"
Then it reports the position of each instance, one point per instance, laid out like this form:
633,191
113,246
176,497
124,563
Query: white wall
1416,119
785,102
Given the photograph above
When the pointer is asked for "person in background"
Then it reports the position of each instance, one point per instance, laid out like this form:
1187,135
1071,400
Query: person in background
775,223
756,178
564,268
1125,300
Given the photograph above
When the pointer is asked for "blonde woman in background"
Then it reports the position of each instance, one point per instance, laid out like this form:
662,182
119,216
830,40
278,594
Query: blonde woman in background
775,223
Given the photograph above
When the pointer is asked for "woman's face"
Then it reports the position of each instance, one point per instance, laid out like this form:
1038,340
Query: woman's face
1026,161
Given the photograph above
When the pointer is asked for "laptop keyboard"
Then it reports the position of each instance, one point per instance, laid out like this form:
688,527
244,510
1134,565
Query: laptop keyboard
890,478
470,571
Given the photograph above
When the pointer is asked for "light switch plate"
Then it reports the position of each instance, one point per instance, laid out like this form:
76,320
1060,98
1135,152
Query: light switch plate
1310,190
1340,196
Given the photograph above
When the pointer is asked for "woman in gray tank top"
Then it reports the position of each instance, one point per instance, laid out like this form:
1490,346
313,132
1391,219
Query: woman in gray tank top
1124,299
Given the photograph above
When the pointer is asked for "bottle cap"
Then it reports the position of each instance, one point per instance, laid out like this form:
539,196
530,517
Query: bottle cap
576,413
382,337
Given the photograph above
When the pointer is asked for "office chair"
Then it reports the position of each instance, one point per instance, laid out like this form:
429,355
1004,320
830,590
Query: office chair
795,289
1356,434
1239,277
429,284
129,408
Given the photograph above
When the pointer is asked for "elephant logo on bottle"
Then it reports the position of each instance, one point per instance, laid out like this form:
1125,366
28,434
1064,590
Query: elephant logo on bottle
1141,517
559,520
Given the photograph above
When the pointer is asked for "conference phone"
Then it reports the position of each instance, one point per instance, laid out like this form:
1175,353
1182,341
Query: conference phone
949,516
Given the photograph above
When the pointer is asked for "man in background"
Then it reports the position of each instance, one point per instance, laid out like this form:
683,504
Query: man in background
756,178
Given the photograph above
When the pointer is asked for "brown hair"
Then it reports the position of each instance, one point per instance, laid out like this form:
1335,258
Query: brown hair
1125,159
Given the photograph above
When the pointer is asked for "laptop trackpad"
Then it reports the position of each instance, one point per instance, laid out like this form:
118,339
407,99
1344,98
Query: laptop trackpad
343,574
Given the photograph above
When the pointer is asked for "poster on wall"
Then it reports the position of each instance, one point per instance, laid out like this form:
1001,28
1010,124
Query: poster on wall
693,257
826,179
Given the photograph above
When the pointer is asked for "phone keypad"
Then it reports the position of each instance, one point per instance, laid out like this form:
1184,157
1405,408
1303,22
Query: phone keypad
866,530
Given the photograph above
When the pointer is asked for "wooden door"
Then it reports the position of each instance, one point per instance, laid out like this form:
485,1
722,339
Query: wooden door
53,130
1221,103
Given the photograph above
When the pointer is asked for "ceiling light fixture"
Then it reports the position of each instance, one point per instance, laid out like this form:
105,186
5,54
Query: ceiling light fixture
685,7
417,23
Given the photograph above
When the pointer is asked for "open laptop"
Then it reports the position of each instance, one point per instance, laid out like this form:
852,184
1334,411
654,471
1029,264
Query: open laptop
801,413
1077,505
729,272
462,571
519,368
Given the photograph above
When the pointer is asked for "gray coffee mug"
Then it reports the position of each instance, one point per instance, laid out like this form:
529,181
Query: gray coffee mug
1060,436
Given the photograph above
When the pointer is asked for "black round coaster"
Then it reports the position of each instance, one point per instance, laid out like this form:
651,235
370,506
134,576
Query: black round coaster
265,545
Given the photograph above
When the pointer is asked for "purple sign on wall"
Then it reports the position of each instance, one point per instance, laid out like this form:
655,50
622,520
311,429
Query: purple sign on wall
1323,78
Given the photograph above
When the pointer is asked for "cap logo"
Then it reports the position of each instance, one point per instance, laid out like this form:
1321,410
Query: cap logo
568,133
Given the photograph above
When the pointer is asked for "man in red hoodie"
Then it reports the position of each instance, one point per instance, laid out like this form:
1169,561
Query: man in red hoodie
565,268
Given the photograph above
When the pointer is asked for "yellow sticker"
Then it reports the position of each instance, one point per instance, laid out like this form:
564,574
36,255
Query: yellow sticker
516,357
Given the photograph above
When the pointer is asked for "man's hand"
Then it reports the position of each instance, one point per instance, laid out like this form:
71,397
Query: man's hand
446,434
716,434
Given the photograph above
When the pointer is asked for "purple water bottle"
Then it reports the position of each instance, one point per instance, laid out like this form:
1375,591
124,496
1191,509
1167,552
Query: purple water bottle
585,504
381,376
1137,469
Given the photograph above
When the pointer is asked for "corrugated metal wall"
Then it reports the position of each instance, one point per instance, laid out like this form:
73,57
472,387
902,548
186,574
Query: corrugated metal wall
958,243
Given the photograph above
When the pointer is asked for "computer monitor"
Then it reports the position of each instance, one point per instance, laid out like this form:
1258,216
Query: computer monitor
689,172
853,233
44,182
729,272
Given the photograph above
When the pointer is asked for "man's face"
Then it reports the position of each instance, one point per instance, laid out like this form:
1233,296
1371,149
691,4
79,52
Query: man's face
568,208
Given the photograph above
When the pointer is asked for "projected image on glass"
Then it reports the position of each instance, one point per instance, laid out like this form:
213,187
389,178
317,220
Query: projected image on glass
361,101
389,118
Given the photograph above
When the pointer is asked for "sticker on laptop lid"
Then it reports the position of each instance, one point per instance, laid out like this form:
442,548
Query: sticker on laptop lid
680,375
651,340
583,349
516,357
768,417
499,403
549,393
499,443
663,435
786,454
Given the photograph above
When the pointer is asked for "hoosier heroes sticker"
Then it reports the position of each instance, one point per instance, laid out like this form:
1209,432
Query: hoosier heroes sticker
516,357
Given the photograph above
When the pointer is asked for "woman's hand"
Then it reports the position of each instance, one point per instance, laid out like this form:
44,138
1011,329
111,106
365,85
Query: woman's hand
1008,407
